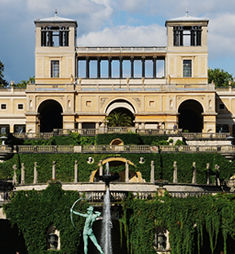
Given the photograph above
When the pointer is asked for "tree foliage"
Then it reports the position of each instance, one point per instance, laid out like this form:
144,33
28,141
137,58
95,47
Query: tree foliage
220,78
118,119
3,82
23,83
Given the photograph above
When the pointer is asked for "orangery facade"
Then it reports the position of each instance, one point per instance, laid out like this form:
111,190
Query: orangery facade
158,87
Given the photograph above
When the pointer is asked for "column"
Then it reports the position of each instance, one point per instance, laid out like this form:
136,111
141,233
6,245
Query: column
143,67
194,180
142,126
35,173
110,67
101,169
87,67
98,67
76,172
132,67
127,173
14,182
208,173
53,171
152,172
175,173
22,173
79,126
121,60
154,67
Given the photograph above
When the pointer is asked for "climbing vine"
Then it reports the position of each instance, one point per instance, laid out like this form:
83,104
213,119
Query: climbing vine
188,220
185,219
34,212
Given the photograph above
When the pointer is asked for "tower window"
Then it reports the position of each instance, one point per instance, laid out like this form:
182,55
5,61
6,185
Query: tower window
55,69
187,68
54,36
187,35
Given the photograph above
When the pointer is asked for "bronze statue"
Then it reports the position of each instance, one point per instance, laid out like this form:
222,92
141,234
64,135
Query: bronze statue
87,230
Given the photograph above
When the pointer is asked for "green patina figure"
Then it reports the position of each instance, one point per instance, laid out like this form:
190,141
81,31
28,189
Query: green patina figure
87,230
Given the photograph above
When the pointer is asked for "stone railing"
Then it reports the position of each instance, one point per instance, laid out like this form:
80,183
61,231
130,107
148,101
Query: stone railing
12,89
189,149
109,130
185,194
159,132
120,49
115,196
123,149
44,149
98,196
200,136
120,85
157,85
116,149
29,135
5,148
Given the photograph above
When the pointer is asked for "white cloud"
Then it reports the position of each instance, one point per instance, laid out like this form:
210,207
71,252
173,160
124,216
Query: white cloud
153,35
221,39
111,22
91,14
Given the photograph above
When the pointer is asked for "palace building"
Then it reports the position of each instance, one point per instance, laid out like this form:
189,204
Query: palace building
77,87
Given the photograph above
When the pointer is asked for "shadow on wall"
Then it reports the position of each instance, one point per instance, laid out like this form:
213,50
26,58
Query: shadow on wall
10,239
222,125
219,248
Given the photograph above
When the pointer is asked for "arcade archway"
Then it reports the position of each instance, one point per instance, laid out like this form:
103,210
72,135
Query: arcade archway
50,116
190,117
122,107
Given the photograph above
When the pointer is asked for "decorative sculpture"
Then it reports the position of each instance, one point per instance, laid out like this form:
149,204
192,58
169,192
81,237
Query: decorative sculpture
87,230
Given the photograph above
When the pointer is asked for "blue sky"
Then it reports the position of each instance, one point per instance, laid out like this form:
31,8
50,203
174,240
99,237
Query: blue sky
112,23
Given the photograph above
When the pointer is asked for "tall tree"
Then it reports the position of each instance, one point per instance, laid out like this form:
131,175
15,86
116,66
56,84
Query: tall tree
220,78
118,119
3,82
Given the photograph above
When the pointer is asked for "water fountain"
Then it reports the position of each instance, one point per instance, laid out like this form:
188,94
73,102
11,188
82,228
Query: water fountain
91,215
107,178
106,239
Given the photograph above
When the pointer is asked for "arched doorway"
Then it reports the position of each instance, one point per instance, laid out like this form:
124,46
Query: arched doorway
190,117
50,116
122,107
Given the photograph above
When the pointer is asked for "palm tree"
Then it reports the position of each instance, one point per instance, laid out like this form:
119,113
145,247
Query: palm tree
118,119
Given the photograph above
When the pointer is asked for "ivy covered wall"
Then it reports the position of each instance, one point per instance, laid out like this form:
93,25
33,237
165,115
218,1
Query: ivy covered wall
188,220
34,212
163,166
